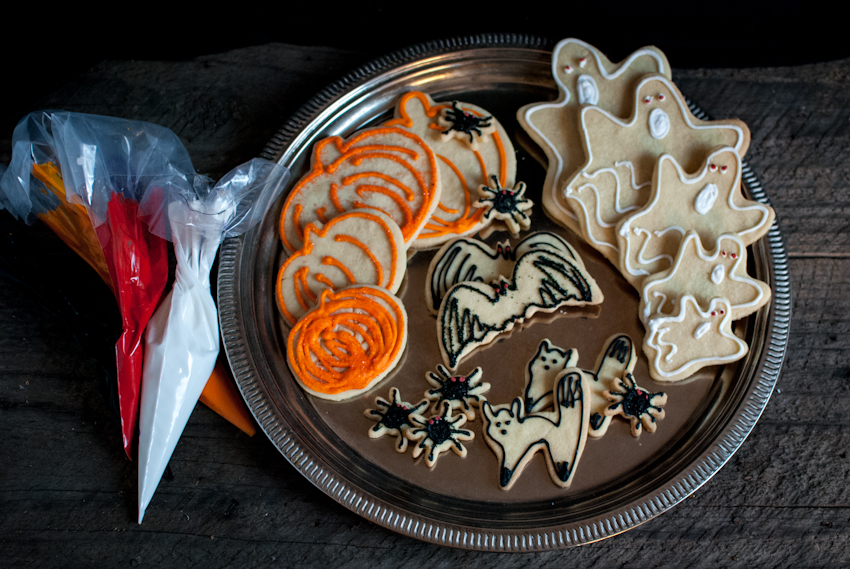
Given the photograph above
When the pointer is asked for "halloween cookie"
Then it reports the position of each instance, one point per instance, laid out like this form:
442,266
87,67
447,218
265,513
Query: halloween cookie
679,345
393,417
510,206
471,146
710,203
358,247
515,436
640,407
384,168
348,342
584,76
437,434
461,392
621,156
473,314
469,259
705,275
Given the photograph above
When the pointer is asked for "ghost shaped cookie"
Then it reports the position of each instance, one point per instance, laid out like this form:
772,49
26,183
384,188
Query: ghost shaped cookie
584,76
622,155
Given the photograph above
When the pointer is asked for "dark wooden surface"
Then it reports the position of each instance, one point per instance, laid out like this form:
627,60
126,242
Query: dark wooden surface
68,495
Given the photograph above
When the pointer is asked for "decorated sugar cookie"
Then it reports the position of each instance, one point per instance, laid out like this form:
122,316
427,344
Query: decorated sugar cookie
710,203
509,206
540,374
473,314
705,275
617,358
642,408
393,417
469,259
348,342
438,433
515,436
679,345
385,168
584,76
621,156
471,145
359,247
462,392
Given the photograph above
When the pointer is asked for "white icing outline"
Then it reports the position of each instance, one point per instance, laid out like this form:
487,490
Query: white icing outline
702,254
656,332
627,222
565,93
684,112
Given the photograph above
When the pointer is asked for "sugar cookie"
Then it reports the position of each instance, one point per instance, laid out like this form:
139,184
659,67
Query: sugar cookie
385,168
471,145
392,417
358,247
462,392
438,434
584,76
642,408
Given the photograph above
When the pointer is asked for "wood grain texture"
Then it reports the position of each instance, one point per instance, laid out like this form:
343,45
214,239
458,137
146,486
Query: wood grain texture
68,495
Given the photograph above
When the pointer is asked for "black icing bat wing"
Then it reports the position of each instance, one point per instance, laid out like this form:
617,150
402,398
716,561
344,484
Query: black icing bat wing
475,313
464,260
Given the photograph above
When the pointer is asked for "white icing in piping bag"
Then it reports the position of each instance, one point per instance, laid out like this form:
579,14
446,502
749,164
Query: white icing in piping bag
182,338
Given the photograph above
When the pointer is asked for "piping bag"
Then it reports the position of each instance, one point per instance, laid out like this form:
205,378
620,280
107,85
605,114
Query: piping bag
182,339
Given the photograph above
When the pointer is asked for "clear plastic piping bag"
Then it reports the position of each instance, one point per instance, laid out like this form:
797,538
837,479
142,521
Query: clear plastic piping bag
182,338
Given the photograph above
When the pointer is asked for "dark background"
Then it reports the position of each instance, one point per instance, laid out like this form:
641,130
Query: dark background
40,58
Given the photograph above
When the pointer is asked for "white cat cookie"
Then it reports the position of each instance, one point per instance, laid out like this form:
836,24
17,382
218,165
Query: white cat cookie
515,436
584,76
471,145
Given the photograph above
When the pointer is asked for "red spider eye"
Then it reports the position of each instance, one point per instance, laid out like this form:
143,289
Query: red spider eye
454,379
462,379
661,96
431,421
712,167
647,99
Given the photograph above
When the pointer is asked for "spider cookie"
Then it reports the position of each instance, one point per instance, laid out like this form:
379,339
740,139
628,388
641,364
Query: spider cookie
348,342
710,203
393,417
506,205
384,168
361,246
438,434
515,436
621,156
640,407
471,146
473,314
584,77
705,275
679,345
469,259
461,392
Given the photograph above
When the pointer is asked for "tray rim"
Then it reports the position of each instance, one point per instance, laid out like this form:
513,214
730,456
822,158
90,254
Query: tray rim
334,484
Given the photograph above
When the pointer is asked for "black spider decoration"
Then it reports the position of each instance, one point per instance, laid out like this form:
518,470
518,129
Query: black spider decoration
394,418
438,434
637,405
461,392
505,204
458,122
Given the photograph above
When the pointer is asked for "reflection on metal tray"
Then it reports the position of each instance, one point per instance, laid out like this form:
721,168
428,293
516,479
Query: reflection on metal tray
620,483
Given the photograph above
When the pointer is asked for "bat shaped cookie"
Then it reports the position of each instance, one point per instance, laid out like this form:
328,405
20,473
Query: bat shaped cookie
473,313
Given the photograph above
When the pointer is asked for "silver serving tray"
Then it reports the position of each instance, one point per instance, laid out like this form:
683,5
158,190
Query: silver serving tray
621,481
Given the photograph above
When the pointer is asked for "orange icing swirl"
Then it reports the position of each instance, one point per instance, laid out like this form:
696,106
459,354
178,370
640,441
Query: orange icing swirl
350,340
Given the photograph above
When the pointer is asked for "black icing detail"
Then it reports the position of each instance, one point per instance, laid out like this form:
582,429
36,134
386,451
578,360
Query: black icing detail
560,281
396,417
465,121
596,421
